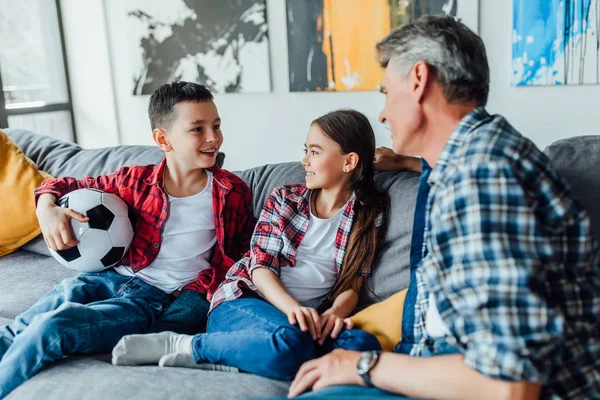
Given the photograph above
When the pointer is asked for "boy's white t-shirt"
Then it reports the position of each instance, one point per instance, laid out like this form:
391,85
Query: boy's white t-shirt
188,237
315,273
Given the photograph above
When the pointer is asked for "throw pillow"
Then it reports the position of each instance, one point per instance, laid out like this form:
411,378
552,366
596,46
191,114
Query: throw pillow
19,176
383,319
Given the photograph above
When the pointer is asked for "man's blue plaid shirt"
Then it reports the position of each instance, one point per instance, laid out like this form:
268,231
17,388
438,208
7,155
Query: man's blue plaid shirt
511,262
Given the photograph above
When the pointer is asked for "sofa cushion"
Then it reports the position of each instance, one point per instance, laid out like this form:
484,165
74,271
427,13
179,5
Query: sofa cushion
391,273
19,176
26,277
92,378
577,159
60,158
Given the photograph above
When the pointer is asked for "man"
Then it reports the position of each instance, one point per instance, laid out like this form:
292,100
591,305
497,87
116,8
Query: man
505,287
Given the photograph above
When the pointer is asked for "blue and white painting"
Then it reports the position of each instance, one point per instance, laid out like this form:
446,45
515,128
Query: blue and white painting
555,42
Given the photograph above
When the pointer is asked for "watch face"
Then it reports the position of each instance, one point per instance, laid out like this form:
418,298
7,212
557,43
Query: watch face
364,362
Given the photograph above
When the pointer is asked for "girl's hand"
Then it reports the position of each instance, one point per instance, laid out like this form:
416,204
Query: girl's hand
307,319
332,324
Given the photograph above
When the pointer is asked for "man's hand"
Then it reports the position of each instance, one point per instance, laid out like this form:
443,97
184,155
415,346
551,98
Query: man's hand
54,222
335,368
387,160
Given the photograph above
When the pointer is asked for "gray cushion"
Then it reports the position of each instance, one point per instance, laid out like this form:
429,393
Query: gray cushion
93,378
59,158
26,277
262,180
391,274
577,159
37,246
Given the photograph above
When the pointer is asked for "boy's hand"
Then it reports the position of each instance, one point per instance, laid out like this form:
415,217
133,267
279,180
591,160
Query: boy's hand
332,324
387,160
307,319
54,221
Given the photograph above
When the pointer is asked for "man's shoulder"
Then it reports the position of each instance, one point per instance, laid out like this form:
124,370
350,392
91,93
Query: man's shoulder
495,144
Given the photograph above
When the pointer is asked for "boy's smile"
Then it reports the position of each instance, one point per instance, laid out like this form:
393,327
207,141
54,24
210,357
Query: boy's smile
195,135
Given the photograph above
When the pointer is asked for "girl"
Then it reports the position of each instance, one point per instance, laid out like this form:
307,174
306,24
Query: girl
312,249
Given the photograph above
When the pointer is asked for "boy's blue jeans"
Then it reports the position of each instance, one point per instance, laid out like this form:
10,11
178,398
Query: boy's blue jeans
254,336
187,314
88,313
435,347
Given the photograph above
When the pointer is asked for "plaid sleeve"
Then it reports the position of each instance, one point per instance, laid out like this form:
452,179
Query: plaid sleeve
245,223
493,255
61,186
266,244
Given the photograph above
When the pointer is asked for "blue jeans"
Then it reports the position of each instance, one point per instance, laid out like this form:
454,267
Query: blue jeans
85,314
436,347
254,336
187,314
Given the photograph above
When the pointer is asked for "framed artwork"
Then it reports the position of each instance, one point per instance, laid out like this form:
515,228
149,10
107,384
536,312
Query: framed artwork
555,42
223,44
331,43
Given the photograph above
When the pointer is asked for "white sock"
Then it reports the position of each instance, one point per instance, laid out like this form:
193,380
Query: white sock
150,348
187,361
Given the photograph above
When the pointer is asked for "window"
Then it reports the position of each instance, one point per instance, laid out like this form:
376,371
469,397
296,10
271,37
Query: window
34,83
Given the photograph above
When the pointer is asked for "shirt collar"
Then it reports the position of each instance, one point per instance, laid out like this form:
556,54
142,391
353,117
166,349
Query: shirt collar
158,175
466,125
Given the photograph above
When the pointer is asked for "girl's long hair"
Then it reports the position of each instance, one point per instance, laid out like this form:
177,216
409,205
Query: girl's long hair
352,131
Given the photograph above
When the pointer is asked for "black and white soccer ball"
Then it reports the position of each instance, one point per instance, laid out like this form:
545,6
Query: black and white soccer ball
104,239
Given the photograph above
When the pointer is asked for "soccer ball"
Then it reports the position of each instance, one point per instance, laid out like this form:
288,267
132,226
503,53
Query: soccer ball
104,239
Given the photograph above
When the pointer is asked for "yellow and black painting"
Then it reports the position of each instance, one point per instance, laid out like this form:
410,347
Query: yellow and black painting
331,43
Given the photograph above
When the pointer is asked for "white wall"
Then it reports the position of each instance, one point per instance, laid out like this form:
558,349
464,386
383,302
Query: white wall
88,58
268,128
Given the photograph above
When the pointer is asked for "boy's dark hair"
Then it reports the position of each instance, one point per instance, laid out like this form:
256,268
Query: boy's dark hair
160,109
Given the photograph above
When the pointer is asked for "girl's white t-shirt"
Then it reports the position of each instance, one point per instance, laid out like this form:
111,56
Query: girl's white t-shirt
315,273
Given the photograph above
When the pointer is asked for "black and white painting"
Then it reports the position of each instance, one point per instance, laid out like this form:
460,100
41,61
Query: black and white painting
223,44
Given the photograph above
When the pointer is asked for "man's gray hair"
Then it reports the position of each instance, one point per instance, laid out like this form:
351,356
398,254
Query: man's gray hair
454,54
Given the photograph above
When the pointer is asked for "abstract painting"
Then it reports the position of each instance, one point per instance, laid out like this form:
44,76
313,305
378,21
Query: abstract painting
331,43
220,43
555,42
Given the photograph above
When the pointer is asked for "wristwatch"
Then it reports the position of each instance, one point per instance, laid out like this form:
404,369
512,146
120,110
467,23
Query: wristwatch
365,364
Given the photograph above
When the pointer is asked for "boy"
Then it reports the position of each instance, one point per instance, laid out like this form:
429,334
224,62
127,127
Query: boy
194,221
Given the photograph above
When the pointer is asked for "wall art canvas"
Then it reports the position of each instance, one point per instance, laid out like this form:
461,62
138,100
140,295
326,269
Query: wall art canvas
555,42
331,43
223,44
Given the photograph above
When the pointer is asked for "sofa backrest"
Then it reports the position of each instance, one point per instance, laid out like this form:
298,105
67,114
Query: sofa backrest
391,274
577,160
60,158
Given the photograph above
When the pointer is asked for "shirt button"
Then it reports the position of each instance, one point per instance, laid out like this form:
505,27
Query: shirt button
156,245
164,208
135,269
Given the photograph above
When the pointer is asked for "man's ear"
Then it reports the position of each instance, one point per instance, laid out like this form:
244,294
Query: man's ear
419,77
350,162
160,138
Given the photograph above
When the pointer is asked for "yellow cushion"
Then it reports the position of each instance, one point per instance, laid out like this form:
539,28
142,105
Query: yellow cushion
18,178
384,320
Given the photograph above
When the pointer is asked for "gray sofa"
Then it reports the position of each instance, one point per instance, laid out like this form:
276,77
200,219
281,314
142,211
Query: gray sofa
28,273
